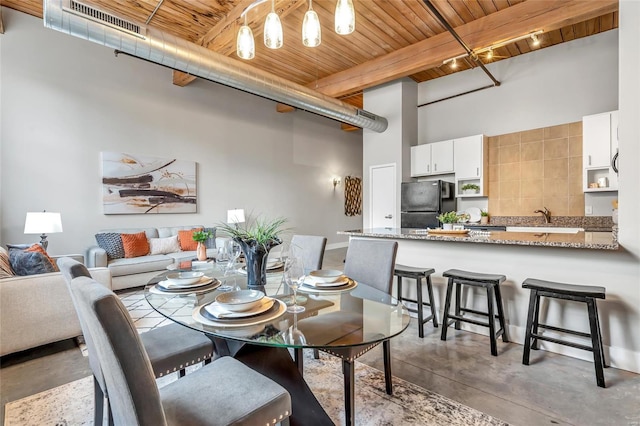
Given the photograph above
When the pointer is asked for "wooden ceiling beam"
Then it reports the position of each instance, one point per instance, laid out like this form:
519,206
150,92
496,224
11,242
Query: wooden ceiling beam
502,25
221,38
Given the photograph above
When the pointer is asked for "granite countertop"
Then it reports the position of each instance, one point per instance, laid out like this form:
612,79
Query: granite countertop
580,240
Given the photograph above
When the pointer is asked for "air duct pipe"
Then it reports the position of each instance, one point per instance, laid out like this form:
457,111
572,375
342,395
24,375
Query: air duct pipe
89,23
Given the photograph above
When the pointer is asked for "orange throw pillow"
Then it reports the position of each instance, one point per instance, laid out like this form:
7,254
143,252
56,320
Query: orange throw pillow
186,240
37,248
135,245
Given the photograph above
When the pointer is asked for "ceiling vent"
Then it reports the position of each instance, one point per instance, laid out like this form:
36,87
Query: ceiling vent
149,44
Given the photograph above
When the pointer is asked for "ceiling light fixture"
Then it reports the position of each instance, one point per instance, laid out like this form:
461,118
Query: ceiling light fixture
536,41
311,32
489,53
345,23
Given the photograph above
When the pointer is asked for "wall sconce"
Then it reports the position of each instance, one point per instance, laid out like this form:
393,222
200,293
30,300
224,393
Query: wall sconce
42,223
336,182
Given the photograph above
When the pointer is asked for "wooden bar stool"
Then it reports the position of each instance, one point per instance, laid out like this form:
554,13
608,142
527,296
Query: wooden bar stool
418,274
492,285
577,293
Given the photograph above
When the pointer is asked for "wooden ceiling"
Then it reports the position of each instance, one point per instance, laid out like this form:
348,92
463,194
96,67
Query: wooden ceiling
393,38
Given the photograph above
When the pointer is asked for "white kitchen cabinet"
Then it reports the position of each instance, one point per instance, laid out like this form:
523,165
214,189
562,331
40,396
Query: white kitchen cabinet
599,146
470,156
432,158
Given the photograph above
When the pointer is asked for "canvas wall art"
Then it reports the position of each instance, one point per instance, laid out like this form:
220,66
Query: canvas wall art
134,184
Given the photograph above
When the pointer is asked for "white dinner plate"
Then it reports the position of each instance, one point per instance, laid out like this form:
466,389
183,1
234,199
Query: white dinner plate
220,312
157,289
272,313
171,285
307,288
340,281
474,214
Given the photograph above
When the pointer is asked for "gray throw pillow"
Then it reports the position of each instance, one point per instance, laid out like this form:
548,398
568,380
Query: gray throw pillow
211,242
111,242
29,263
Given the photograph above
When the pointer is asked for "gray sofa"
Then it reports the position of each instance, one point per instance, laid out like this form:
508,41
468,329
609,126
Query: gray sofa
137,271
37,309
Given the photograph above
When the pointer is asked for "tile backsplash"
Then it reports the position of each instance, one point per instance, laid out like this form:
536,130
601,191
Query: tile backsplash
537,168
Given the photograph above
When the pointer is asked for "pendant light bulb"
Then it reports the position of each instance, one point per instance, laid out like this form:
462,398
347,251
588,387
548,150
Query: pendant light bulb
311,33
245,46
345,17
535,40
273,29
490,53
454,63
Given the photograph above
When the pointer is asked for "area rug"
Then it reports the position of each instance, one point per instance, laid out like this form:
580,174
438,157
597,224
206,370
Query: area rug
72,404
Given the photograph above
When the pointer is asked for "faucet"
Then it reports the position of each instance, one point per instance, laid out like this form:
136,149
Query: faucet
546,213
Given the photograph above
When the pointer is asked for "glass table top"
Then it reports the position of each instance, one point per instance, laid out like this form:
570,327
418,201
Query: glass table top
352,315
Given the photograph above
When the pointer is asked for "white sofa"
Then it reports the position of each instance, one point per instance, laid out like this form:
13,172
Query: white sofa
137,271
37,309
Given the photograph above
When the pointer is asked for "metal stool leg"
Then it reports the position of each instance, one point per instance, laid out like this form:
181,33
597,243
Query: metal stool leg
431,302
445,315
399,289
604,362
388,378
420,308
501,318
530,318
492,321
595,342
534,344
457,307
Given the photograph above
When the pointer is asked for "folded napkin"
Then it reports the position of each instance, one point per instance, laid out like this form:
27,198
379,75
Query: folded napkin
218,310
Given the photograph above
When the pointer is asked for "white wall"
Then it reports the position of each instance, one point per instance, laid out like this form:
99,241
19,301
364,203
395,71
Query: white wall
555,85
65,100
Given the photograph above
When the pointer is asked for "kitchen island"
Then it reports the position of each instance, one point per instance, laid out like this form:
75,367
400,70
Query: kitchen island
589,258
579,240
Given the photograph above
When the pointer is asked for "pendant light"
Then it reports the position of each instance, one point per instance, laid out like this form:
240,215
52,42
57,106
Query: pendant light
273,29
311,36
345,17
245,46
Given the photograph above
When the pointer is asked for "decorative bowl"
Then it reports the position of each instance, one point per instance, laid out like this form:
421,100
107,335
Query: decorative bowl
241,300
185,277
325,275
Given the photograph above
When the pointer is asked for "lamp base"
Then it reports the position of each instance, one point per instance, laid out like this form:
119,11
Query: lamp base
43,241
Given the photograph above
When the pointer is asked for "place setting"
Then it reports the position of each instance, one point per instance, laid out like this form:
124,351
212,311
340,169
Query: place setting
239,308
327,281
185,282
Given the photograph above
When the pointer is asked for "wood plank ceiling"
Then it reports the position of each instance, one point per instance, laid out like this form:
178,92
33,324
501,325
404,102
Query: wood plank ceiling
393,38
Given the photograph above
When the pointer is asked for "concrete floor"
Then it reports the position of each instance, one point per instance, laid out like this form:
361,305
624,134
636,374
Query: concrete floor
554,389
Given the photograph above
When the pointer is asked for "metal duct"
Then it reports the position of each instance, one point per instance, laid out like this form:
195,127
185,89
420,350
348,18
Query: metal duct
89,23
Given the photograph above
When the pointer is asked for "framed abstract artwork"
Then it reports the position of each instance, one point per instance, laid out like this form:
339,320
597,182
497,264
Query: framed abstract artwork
134,184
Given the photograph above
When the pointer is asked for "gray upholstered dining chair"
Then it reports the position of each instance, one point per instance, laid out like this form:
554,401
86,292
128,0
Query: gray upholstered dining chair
170,348
371,262
223,392
313,250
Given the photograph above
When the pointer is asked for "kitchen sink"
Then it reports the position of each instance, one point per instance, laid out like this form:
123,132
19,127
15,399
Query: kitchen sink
544,229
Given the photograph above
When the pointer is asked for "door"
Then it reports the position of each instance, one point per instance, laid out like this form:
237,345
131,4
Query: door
442,157
596,140
420,160
420,196
467,157
383,196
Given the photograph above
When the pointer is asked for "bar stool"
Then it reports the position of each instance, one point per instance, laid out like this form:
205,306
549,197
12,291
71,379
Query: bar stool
417,274
492,284
577,293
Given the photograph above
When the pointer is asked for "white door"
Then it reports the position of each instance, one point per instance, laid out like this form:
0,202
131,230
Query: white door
383,196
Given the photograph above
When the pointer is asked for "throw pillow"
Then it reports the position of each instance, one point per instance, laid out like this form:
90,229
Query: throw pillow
111,242
211,242
135,245
186,239
31,261
164,245
5,266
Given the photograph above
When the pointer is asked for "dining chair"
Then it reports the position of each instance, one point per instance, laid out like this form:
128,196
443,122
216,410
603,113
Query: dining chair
170,348
223,392
370,263
312,250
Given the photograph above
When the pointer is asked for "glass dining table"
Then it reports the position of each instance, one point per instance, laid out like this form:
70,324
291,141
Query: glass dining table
351,316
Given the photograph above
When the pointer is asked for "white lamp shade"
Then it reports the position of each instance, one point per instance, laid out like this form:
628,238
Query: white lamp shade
273,31
42,223
245,47
235,216
345,21
311,29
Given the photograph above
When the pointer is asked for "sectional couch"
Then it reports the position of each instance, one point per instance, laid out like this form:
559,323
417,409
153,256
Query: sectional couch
137,271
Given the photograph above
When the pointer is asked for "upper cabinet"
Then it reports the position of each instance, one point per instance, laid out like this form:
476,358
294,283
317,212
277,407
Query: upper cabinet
599,152
470,159
432,159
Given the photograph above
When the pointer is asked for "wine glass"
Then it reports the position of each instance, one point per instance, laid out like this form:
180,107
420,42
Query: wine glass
293,278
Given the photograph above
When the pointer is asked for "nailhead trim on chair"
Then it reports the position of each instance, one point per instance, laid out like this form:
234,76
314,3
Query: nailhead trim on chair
193,362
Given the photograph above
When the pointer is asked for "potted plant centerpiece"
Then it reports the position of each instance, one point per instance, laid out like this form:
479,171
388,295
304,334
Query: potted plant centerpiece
484,217
256,238
200,237
470,188
448,219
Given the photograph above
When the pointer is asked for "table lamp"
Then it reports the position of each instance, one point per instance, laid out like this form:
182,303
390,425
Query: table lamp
42,223
235,216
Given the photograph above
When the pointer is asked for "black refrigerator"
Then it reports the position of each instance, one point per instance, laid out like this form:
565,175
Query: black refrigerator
422,202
